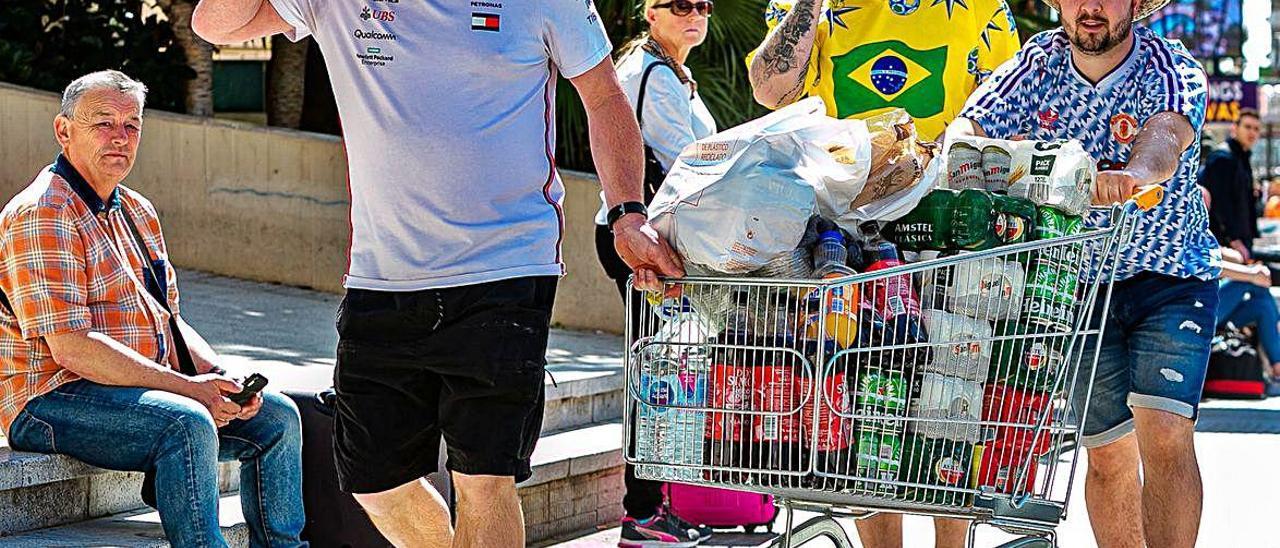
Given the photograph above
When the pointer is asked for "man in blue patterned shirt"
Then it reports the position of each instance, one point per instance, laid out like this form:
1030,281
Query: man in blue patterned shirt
1137,103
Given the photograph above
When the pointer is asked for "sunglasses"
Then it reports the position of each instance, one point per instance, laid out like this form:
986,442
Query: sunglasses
682,8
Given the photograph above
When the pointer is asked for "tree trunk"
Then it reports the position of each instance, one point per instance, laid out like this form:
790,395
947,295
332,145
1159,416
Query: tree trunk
286,80
199,56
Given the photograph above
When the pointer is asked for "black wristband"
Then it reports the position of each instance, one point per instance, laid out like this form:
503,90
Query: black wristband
624,208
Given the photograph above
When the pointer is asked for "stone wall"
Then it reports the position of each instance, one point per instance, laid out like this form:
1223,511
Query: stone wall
269,204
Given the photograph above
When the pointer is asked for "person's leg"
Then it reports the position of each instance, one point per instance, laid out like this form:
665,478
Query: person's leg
950,533
1172,494
1256,307
413,514
489,512
269,448
1112,493
136,429
386,427
880,531
1111,484
643,498
1170,349
1231,295
490,357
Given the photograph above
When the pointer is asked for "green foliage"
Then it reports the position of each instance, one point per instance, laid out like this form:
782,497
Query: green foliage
1032,17
45,44
718,65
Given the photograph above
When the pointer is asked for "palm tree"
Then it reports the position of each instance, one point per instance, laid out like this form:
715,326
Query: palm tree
198,52
719,66
286,81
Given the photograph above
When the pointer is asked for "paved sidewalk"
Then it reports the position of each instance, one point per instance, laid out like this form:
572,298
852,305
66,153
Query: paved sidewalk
1239,457
295,342
295,339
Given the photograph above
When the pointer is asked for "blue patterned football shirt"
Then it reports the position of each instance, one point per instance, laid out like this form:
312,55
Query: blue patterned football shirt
1041,95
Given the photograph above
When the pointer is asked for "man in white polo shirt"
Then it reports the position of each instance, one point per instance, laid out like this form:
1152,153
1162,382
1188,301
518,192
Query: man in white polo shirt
448,119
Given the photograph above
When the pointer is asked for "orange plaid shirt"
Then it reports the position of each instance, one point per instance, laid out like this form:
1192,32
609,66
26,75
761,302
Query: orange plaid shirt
62,251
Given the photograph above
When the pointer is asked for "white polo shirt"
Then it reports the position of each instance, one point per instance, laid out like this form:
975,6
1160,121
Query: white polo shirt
448,119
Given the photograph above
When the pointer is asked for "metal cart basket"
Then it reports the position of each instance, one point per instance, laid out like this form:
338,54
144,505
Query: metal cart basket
834,396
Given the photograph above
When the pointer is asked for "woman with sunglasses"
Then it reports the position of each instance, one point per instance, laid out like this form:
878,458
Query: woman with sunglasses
671,115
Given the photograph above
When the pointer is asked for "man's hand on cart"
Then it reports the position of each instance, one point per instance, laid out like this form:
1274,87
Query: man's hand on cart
647,253
1114,187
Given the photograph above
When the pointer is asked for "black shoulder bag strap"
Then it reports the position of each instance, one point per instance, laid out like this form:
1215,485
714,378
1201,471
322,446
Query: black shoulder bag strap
185,363
152,281
653,171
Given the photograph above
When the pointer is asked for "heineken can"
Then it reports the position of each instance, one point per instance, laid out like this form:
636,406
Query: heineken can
964,167
1050,296
881,391
878,457
996,162
1051,223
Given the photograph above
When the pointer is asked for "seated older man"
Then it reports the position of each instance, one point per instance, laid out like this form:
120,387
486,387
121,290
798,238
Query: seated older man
90,356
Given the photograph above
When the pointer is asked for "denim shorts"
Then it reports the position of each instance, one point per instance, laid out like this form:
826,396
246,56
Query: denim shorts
1154,353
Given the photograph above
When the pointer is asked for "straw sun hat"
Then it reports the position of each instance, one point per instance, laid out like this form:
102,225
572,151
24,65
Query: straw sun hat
1147,7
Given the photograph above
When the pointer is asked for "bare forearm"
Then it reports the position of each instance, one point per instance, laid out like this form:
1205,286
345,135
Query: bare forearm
1237,272
233,21
1157,149
104,360
778,71
963,127
617,148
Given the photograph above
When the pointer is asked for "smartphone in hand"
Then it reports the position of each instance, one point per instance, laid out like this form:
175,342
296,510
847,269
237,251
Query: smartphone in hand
252,385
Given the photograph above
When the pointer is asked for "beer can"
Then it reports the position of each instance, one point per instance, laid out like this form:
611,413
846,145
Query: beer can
944,463
1051,223
964,167
878,457
953,405
881,391
996,162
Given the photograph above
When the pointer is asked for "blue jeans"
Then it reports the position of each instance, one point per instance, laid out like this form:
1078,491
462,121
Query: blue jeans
1243,303
136,429
1154,353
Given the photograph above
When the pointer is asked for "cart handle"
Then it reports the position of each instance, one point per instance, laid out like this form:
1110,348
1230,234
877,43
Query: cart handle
1148,197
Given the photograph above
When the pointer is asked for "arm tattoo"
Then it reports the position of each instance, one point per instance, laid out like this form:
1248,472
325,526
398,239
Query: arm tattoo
786,51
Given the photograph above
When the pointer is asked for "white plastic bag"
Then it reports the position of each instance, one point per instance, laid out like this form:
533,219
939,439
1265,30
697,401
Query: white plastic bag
740,198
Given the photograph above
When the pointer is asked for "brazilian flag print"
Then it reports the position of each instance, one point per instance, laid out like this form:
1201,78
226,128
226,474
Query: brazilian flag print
890,74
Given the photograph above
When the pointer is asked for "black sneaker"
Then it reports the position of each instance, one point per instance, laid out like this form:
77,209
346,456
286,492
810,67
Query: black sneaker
659,531
704,532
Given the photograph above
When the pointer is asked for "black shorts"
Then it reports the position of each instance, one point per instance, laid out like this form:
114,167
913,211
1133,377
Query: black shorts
466,363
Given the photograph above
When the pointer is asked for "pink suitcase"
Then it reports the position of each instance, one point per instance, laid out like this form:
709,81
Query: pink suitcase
721,508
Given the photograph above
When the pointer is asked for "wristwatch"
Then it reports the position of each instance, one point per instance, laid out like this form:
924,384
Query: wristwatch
624,208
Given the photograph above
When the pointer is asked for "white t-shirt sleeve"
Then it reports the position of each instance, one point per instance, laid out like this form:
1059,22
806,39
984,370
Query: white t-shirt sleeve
574,34
667,116
299,14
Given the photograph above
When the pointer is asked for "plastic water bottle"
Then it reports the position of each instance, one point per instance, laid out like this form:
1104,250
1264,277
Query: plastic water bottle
830,255
675,380
670,432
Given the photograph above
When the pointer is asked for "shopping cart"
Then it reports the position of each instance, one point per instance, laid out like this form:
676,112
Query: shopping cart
825,395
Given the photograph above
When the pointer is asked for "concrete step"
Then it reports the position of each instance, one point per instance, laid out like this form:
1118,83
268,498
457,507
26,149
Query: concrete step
576,487
134,529
577,482
38,490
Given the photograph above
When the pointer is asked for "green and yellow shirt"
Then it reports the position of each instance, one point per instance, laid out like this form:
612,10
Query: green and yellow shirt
924,56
